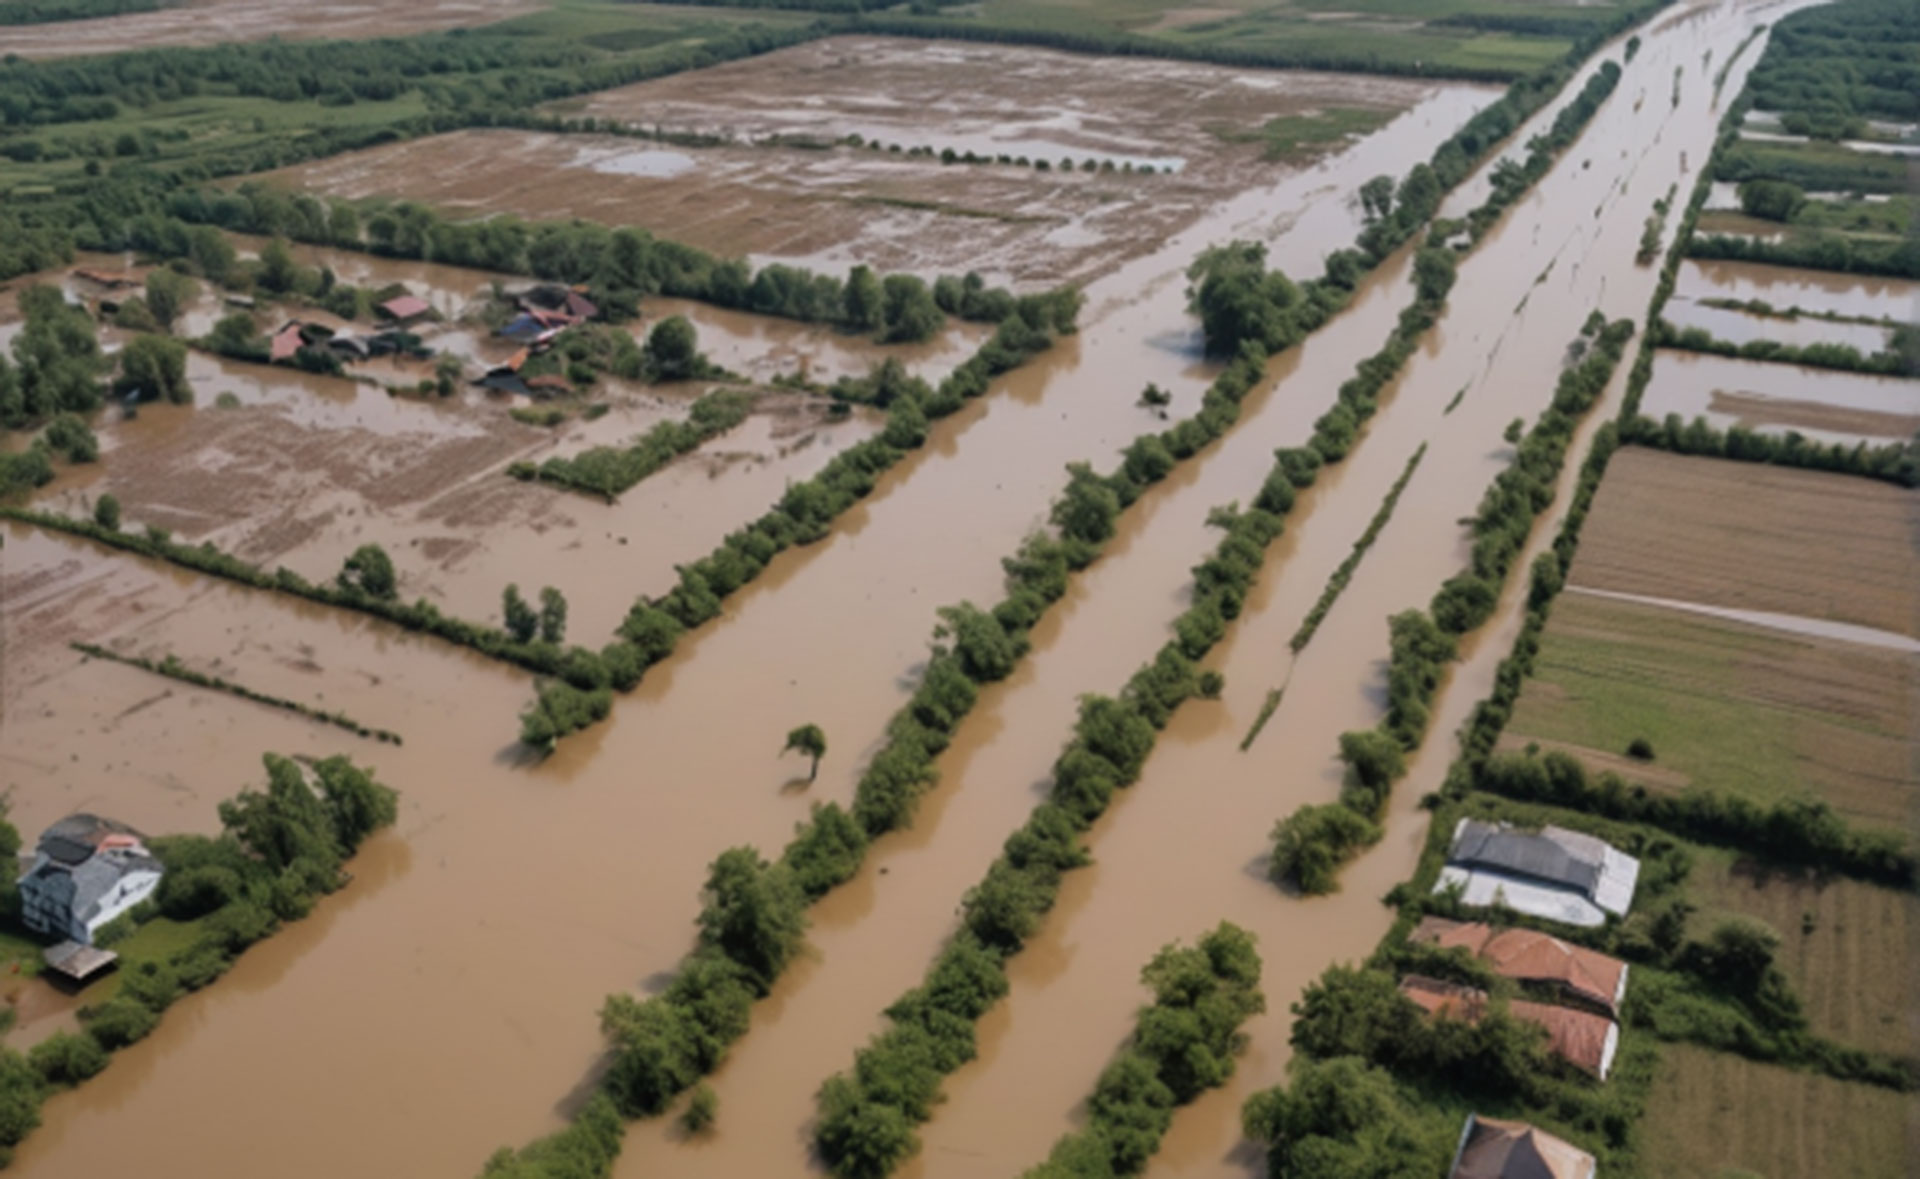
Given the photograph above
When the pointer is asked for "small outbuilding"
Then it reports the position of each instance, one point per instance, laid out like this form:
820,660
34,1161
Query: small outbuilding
86,871
1491,1149
1554,873
406,309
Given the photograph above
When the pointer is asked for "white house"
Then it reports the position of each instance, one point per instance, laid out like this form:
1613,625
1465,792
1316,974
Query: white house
86,871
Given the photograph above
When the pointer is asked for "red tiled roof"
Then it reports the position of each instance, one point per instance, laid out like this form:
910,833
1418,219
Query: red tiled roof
285,343
1491,1149
406,306
1530,955
1579,1037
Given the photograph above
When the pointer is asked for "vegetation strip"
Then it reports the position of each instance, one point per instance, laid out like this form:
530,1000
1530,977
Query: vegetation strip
1890,362
172,668
1267,708
1313,843
1344,573
608,471
278,853
1182,1045
753,916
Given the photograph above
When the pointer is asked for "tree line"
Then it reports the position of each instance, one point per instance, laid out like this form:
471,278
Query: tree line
607,471
1890,362
280,850
172,668
36,12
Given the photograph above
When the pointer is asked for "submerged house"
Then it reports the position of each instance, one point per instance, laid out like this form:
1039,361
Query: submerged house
406,309
1582,1039
86,871
1491,1149
1527,955
1553,873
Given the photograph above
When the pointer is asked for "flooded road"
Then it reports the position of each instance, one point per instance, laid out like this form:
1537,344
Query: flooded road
464,1030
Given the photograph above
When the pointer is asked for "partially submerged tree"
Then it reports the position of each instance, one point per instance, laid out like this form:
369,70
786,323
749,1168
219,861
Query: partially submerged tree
811,740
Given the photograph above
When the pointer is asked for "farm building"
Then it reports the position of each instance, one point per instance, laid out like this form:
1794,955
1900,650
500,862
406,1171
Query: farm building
1527,955
1553,873
1580,1038
406,309
85,872
1491,1149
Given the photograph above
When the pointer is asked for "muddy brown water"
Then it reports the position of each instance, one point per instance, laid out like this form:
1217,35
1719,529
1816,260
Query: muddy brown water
472,1033
1824,404
428,1001
1741,327
1812,290
209,22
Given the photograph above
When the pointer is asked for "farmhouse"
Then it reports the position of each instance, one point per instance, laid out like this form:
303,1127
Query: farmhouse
1527,955
1492,1149
1554,873
1582,1039
85,872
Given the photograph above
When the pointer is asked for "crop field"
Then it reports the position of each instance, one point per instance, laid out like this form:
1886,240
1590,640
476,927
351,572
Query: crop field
1730,707
756,142
1755,538
1717,1115
1850,949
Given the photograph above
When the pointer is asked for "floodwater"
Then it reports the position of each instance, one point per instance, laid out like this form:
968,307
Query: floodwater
1740,327
1818,628
426,1003
1784,287
1823,404
462,1031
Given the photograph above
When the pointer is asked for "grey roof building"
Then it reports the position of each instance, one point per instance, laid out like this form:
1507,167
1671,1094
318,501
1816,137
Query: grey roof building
86,871
1554,873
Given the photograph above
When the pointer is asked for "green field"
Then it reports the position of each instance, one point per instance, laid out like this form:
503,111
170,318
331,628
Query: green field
1303,136
1728,707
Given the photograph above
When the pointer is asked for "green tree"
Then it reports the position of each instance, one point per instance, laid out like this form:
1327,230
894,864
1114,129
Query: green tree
1310,845
673,350
1087,509
701,1109
553,616
67,1059
370,571
154,368
446,374
862,303
287,826
811,740
357,805
521,620
168,293
1376,198
908,313
754,913
1433,273
234,335
106,512
278,271
1772,200
1373,758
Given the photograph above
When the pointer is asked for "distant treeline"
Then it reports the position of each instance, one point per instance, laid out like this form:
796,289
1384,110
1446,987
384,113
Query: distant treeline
1818,251
1893,462
36,12
1891,361
1828,69
1822,169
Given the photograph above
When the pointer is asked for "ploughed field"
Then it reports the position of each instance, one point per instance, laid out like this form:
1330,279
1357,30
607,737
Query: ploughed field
830,205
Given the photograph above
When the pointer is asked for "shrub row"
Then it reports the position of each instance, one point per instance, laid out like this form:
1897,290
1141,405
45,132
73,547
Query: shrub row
1311,844
610,470
1344,573
1511,181
1183,1044
1817,251
1822,354
172,668
1893,462
280,850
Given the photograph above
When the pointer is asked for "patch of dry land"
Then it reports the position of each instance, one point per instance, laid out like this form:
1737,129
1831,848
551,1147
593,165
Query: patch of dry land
1761,711
832,204
212,22
1752,537
1721,1117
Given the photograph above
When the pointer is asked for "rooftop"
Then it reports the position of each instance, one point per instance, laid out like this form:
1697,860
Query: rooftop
1532,956
1491,1149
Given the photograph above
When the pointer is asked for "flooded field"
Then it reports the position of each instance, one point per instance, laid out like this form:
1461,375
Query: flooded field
208,22
1740,327
911,212
1822,404
468,1030
1854,295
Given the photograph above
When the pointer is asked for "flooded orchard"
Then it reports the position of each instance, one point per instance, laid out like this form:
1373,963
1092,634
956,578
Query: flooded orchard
466,1030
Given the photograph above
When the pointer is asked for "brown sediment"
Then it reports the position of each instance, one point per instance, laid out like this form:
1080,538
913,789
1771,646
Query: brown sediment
1811,417
1741,327
209,22
834,207
1755,538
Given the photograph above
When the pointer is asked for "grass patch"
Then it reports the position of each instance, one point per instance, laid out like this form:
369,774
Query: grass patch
1723,1117
159,941
1303,136
1849,948
1727,707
